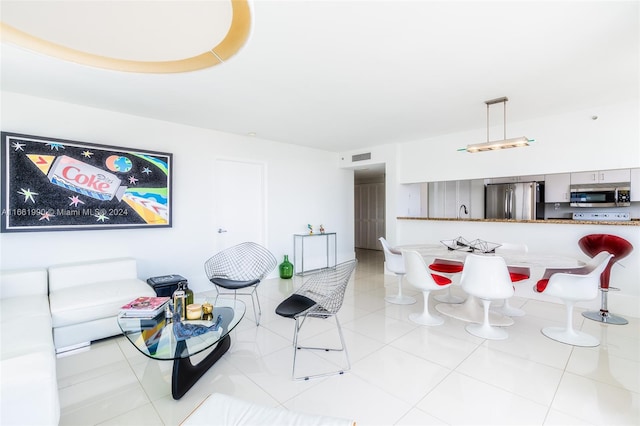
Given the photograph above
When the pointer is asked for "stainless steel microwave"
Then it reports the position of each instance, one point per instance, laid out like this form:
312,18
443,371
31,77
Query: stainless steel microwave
601,195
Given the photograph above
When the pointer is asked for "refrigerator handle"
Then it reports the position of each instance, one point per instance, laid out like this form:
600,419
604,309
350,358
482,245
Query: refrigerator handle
510,215
506,203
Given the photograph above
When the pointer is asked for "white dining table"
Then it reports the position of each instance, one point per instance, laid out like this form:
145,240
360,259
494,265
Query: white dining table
470,310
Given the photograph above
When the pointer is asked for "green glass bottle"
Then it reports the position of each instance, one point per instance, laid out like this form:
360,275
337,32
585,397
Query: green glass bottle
188,293
286,268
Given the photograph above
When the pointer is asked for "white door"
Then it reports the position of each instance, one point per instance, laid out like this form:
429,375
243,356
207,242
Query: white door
239,203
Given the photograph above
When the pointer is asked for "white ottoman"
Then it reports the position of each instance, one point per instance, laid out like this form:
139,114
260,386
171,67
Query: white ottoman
219,409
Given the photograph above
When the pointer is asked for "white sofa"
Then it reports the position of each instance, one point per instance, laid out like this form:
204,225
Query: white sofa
85,298
27,353
43,311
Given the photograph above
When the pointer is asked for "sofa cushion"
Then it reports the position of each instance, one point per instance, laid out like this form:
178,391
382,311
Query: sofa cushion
29,390
23,282
25,326
24,307
90,302
24,336
68,275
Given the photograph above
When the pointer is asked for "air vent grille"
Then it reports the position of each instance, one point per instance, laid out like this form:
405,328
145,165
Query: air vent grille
361,157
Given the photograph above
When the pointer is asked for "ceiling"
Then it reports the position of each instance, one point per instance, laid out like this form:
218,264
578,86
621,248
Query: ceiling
346,75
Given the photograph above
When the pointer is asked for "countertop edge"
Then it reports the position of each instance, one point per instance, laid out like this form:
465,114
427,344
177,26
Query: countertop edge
633,222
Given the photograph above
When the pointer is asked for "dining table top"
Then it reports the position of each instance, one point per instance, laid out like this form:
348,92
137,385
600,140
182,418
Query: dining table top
512,258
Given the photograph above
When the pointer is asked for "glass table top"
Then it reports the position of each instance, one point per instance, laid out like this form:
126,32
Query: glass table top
157,338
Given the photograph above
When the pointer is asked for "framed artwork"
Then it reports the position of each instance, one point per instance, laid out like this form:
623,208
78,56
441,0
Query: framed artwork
54,184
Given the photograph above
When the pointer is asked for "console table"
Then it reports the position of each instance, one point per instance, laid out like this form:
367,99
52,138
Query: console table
298,245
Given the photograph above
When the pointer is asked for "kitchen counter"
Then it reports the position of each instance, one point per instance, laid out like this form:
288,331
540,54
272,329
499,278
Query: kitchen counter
632,222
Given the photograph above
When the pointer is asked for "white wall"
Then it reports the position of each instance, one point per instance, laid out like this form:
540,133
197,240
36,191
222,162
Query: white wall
303,186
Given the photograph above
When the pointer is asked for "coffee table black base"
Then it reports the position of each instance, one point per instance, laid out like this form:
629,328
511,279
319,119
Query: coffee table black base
185,374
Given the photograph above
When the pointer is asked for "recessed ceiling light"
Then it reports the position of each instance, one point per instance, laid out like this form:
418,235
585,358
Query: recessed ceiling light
251,133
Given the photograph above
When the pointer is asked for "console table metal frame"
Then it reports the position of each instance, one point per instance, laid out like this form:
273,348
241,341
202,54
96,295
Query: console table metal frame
299,238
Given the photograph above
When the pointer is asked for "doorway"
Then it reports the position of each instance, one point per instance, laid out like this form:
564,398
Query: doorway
369,206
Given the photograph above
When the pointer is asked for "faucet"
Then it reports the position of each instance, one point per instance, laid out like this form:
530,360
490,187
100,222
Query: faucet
464,208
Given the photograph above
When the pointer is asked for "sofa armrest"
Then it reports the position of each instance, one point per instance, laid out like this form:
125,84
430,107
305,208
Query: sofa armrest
89,272
23,282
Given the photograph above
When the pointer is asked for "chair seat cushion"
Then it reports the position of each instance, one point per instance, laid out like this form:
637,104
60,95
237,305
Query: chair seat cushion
233,284
541,285
294,305
440,280
446,268
515,277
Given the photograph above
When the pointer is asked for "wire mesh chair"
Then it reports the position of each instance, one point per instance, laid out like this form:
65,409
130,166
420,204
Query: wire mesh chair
321,296
239,268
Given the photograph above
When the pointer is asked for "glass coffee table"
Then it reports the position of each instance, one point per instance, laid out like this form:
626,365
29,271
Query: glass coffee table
158,339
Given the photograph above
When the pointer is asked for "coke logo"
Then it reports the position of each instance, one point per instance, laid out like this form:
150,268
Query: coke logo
96,182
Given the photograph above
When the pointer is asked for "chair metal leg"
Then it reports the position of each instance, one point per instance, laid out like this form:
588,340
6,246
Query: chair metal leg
603,315
257,314
298,325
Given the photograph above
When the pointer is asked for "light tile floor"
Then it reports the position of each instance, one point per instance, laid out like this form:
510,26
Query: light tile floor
402,373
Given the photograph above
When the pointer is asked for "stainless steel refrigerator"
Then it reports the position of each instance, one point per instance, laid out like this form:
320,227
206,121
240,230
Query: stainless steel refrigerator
520,201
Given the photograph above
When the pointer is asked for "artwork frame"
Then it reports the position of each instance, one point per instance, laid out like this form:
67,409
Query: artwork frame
51,184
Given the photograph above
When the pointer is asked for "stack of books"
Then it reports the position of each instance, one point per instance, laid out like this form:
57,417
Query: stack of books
144,307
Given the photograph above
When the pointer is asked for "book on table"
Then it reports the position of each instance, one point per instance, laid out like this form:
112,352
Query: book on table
144,306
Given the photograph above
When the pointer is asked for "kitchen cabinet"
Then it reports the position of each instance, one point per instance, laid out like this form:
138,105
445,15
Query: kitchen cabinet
446,198
635,185
601,176
556,188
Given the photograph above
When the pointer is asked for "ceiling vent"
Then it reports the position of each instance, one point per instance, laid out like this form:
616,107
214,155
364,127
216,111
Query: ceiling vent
361,157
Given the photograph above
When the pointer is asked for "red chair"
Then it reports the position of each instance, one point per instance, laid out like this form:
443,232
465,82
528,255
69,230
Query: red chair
620,248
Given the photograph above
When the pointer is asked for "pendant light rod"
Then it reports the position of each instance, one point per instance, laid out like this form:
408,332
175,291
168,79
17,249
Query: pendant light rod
502,100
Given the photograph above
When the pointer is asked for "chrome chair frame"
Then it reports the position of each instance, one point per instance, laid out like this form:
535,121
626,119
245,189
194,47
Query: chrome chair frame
320,296
240,267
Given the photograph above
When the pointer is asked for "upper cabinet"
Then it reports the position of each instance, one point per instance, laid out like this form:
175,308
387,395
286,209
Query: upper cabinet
635,185
556,188
601,176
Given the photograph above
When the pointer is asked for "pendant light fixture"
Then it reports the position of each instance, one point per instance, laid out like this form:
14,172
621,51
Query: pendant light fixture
499,144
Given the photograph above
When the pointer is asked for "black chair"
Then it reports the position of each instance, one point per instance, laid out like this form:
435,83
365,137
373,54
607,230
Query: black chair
321,296
238,268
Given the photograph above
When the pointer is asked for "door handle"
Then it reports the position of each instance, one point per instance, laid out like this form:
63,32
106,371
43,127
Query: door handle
220,230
